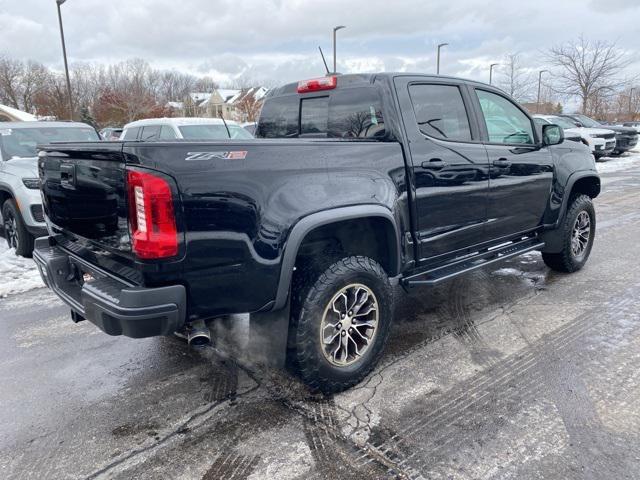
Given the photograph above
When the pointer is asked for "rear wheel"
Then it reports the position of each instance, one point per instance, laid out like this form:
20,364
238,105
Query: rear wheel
578,232
340,324
15,231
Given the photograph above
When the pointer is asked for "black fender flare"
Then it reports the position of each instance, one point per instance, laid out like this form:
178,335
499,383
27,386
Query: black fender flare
552,236
307,224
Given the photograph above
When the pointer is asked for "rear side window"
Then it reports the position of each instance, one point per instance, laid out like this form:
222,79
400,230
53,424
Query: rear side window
150,133
347,113
440,111
131,133
167,133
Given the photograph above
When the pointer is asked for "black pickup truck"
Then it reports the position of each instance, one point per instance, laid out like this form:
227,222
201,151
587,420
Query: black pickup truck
356,183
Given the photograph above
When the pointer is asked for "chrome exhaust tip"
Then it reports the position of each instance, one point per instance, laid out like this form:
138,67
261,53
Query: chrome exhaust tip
198,334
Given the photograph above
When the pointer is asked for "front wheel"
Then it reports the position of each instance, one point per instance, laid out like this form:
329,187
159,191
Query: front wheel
341,320
15,231
578,232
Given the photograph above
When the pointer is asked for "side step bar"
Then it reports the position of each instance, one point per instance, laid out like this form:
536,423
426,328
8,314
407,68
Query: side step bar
438,274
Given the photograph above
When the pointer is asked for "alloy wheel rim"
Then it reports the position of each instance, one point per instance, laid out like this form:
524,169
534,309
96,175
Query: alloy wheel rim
349,324
580,235
11,231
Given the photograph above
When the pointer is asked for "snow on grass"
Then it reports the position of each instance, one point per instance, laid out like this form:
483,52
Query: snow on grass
17,274
625,161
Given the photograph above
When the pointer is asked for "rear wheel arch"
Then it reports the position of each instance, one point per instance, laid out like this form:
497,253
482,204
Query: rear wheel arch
379,239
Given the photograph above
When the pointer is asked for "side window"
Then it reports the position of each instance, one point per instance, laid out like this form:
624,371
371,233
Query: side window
131,133
356,113
150,133
314,115
440,111
279,118
167,133
505,122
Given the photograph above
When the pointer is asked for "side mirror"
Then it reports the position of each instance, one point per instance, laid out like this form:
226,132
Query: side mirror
552,134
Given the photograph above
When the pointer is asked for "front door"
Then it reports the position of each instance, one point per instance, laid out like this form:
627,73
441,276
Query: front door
521,170
449,166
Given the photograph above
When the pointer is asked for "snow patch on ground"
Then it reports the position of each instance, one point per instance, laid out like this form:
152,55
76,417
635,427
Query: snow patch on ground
508,271
626,161
17,274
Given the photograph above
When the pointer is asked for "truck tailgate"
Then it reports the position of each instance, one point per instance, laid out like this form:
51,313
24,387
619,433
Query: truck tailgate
84,192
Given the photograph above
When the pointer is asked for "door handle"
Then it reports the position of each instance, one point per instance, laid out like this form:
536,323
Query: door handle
434,164
501,162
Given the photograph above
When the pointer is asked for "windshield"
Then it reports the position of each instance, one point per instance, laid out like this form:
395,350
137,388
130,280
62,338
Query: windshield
22,142
562,122
213,132
586,121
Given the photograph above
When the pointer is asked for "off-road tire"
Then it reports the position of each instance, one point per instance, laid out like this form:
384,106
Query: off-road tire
23,240
311,294
565,261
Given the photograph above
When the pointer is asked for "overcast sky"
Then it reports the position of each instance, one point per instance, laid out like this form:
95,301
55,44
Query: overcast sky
277,40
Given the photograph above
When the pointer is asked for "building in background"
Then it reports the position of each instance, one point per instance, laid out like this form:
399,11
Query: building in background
241,105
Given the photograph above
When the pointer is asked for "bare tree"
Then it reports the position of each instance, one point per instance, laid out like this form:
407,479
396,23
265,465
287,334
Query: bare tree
20,82
588,69
175,86
206,85
517,81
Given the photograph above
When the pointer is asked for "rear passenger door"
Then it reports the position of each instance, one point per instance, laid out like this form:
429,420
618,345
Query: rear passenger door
448,163
521,170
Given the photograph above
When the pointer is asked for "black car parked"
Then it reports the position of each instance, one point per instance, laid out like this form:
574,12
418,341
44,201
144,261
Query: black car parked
356,183
626,137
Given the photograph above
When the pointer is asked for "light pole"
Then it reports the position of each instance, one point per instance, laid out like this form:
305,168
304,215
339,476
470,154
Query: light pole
64,54
491,71
539,83
438,61
335,29
630,102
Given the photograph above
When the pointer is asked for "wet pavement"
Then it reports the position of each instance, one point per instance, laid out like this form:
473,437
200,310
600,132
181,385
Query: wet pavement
510,372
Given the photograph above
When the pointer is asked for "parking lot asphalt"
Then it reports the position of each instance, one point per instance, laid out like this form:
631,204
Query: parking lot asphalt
509,372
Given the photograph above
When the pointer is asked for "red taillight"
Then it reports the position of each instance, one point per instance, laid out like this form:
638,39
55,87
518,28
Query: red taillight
153,223
317,84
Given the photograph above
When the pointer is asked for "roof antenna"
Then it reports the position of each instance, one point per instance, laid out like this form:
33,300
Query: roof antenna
324,61
225,124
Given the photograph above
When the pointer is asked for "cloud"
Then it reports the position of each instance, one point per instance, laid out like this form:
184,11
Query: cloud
277,39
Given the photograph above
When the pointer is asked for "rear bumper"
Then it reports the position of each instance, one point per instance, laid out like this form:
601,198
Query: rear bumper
113,306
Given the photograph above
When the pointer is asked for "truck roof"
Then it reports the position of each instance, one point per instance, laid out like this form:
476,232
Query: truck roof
355,79
20,125
177,121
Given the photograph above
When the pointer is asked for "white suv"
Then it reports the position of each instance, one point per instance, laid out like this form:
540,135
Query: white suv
21,209
159,129
600,140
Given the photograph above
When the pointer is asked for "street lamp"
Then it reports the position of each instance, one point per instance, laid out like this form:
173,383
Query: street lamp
539,83
64,54
438,63
335,29
491,71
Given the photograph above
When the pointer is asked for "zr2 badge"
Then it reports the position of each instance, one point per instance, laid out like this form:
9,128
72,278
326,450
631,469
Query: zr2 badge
232,155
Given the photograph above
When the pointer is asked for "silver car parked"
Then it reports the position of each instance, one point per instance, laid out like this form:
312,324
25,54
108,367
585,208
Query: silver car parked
20,201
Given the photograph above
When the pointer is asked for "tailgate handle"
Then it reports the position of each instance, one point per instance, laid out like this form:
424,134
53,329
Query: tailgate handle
68,176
